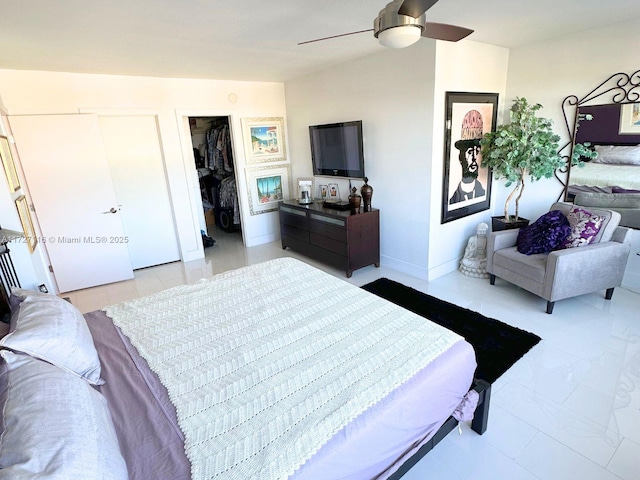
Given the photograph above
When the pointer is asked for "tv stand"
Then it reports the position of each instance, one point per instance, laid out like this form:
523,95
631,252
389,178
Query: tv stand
343,239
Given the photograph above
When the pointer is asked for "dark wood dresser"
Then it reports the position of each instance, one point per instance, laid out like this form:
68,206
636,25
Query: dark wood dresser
341,239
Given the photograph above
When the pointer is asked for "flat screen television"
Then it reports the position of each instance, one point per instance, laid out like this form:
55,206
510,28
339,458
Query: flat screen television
336,149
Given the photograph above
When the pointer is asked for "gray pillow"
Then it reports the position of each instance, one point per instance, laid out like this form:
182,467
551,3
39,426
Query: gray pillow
618,154
52,329
18,296
55,425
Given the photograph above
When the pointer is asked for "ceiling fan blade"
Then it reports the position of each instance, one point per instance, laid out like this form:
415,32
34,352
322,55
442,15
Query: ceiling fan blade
335,36
415,8
442,31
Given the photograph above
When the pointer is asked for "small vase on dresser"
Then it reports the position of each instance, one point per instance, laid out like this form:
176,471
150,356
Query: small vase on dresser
367,192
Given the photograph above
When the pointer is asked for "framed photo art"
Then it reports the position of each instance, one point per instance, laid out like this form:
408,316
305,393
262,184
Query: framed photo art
27,223
333,192
323,192
9,165
267,186
466,187
629,119
264,139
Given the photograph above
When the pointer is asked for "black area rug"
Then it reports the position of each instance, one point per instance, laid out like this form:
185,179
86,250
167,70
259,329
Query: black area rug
497,345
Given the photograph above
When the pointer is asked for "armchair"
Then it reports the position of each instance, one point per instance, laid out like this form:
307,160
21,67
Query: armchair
568,272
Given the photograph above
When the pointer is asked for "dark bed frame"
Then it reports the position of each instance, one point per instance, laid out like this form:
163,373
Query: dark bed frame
478,425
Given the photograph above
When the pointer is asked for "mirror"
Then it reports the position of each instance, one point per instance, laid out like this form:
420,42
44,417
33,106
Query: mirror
613,130
608,117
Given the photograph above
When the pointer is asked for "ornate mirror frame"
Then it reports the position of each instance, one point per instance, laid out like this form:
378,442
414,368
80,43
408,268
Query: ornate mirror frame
619,88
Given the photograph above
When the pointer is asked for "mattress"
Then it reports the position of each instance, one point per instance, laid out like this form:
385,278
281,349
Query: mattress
372,445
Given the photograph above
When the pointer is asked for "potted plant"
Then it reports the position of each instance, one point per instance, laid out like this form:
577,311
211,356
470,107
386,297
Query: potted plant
525,147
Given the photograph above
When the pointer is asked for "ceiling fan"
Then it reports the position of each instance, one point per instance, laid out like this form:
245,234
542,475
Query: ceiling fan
402,22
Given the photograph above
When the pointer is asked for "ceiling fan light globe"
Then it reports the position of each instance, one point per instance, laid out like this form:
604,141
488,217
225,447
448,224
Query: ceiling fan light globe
400,37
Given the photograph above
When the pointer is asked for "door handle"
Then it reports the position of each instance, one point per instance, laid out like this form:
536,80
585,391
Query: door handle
112,210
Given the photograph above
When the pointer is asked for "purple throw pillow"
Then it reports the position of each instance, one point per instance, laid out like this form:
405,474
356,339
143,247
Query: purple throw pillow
584,227
545,234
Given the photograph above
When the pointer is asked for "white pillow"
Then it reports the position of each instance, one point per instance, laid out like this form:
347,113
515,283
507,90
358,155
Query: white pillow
618,154
56,425
52,329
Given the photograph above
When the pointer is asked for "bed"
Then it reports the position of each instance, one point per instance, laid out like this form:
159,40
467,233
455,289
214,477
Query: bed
274,371
615,170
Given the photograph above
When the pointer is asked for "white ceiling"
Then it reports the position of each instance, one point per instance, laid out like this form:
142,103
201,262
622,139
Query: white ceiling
254,39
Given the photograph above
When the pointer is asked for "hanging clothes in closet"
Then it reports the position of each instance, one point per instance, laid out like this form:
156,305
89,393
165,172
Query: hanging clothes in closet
218,157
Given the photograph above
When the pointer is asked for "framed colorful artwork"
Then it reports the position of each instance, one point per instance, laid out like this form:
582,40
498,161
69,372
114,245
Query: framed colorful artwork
629,119
264,139
466,187
266,186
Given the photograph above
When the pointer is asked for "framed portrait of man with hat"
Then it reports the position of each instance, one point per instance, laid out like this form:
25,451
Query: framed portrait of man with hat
466,184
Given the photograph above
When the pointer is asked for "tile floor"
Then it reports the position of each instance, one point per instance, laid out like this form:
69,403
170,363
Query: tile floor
569,409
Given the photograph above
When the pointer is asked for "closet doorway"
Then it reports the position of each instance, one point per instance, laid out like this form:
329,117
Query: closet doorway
215,164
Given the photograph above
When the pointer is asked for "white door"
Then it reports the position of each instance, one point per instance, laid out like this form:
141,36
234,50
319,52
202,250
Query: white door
68,176
134,153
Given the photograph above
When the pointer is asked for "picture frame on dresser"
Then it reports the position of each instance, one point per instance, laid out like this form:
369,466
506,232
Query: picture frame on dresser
323,191
333,193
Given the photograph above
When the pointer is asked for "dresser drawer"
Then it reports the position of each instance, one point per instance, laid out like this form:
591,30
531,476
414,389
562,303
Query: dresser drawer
328,243
328,227
294,218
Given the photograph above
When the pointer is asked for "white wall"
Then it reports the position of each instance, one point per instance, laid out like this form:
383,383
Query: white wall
400,99
29,92
460,67
575,64
392,93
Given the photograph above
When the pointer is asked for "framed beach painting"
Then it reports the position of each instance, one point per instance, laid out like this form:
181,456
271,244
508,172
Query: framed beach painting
267,186
264,139
466,187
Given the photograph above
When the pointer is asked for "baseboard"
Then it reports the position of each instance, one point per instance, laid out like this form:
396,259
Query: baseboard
261,239
443,269
404,267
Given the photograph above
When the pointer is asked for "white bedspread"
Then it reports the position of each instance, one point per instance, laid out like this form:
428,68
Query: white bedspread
264,364
606,175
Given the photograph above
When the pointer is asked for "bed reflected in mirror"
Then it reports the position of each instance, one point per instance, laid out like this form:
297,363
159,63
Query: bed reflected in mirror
613,130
